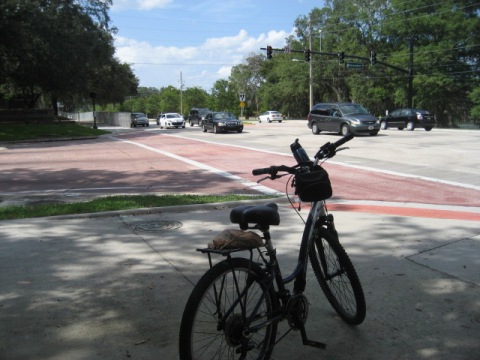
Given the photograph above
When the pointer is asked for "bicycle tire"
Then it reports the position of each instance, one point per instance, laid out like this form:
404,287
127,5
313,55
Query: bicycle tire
204,336
343,289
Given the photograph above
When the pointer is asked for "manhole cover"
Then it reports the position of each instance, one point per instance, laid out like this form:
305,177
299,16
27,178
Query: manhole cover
158,225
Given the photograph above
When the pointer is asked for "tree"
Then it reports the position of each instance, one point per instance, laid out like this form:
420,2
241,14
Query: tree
63,50
195,97
246,79
224,97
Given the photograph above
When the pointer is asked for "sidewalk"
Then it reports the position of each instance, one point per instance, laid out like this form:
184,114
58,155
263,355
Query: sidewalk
113,287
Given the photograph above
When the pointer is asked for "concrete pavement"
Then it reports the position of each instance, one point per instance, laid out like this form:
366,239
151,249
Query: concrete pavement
114,286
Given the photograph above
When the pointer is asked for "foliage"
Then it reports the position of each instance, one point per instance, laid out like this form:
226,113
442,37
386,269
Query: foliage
61,50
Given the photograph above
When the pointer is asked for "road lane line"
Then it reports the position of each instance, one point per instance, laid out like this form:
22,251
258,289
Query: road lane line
359,167
225,174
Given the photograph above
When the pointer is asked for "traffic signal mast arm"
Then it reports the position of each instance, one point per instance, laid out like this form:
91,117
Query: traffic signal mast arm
285,50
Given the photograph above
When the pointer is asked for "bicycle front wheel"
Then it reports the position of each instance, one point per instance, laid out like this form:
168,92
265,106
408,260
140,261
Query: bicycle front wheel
337,276
228,314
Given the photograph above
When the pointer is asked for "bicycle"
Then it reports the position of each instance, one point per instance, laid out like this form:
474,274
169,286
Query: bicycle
234,309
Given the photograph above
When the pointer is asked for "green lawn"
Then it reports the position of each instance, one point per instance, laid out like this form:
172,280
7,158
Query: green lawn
115,203
14,132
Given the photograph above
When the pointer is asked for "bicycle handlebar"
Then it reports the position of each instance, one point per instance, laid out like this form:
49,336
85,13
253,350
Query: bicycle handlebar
273,170
327,150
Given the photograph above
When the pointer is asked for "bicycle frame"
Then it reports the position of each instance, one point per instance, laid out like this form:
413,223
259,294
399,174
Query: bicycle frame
300,271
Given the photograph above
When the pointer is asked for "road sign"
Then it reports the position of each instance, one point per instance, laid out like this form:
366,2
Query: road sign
352,65
242,104
242,97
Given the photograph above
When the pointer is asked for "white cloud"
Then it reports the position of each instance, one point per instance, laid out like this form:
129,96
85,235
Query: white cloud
159,66
140,4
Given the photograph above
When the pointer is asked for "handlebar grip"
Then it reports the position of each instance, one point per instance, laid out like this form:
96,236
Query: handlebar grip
261,171
343,140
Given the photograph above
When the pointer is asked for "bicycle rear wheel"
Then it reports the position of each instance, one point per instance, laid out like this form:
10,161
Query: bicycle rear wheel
337,276
227,313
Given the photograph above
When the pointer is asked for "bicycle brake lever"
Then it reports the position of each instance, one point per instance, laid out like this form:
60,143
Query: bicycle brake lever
342,148
262,179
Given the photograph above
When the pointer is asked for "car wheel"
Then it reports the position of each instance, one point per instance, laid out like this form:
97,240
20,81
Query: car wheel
400,128
204,128
410,126
383,125
428,128
373,133
239,130
279,121
216,130
315,129
269,121
344,130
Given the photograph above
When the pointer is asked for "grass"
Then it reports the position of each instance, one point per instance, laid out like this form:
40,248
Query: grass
115,203
16,132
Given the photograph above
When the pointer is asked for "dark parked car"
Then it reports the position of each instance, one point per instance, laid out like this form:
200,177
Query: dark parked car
197,115
343,118
138,119
221,122
408,118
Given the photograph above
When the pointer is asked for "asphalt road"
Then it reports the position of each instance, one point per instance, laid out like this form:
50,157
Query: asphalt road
440,167
113,287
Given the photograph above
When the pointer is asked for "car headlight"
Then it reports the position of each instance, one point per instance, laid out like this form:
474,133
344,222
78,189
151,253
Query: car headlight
221,124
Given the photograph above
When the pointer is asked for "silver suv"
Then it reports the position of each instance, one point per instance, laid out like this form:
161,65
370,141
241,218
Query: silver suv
343,118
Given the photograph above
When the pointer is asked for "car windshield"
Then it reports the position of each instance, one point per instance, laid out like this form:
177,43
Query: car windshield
275,113
422,111
226,116
171,116
139,115
203,112
350,109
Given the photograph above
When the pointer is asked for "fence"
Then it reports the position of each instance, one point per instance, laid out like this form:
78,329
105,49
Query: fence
102,117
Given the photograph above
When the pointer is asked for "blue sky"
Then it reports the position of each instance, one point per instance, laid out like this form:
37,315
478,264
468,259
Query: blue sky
201,39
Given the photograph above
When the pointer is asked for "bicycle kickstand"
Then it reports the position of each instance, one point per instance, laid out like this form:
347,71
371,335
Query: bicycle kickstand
308,342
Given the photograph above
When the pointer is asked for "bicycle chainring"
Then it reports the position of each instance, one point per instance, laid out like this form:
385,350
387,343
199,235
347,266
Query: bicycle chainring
297,311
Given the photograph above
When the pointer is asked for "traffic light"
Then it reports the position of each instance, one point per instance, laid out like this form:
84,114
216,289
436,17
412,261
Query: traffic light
269,52
341,57
373,57
307,55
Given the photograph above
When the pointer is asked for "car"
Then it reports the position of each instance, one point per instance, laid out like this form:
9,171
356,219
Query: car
344,118
171,120
138,119
221,122
408,118
197,115
270,116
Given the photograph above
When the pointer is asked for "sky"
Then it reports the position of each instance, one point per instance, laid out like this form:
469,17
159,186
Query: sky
195,43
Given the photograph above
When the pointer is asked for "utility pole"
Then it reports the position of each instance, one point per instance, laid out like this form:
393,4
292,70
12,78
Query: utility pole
181,94
310,64
411,38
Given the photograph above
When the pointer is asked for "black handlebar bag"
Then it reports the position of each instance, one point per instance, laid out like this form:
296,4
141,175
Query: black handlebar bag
313,186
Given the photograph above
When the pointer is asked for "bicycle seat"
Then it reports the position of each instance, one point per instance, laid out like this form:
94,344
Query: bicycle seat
258,214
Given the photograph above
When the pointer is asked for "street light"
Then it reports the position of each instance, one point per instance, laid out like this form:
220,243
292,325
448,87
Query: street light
320,31
93,96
